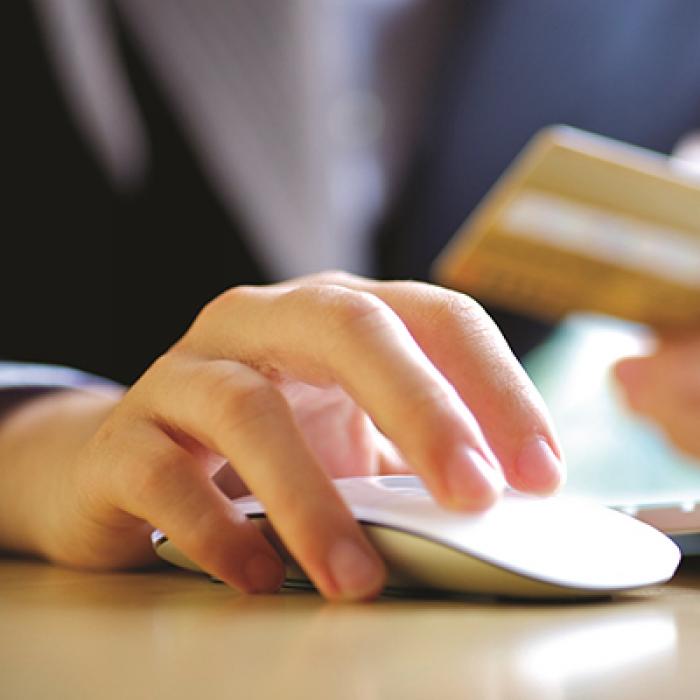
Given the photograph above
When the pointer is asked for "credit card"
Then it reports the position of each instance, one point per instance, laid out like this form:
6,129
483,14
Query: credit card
580,222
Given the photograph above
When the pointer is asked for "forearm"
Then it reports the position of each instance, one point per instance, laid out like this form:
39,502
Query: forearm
37,440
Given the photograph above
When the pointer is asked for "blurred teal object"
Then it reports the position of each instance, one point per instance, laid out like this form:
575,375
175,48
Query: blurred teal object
612,456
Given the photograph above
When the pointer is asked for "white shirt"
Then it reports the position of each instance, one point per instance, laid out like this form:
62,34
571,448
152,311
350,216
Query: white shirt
302,112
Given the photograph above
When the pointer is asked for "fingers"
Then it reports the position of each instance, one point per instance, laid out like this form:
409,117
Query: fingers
340,434
669,378
327,335
467,347
635,376
238,413
665,387
464,344
412,357
163,484
391,461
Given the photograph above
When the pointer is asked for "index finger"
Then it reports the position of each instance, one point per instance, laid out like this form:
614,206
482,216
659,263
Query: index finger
466,346
328,334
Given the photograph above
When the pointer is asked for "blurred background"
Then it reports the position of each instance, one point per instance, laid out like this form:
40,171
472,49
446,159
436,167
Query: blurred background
160,152
612,454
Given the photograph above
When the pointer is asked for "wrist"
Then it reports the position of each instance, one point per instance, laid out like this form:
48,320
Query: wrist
39,441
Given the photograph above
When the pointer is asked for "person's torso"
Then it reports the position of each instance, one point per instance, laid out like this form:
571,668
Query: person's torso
106,280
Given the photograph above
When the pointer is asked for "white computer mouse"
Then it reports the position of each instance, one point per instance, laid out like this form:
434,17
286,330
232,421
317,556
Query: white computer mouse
524,546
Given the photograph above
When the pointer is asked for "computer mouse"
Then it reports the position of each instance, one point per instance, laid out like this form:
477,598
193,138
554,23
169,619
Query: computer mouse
524,546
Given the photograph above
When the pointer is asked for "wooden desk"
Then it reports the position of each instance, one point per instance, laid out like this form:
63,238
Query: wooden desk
65,634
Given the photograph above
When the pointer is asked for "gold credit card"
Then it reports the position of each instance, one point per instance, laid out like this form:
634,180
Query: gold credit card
580,222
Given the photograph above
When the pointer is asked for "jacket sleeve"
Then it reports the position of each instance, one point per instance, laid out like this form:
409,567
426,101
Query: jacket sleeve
20,381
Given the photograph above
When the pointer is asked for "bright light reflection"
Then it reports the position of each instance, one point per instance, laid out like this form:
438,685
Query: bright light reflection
605,342
599,648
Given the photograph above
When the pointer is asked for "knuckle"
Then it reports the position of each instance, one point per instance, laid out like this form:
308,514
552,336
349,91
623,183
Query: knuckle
354,312
453,307
430,400
232,296
303,296
348,311
144,482
226,302
162,371
201,529
470,326
162,367
239,398
438,451
333,277
425,414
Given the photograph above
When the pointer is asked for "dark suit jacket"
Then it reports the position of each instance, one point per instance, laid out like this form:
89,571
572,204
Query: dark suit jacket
105,280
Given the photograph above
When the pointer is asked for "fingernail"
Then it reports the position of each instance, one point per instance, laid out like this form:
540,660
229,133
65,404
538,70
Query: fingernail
539,468
354,571
263,573
471,480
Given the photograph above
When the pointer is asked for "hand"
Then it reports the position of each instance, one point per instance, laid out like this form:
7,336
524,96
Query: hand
665,387
288,384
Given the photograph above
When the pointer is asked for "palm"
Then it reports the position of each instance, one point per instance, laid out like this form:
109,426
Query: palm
337,430
340,434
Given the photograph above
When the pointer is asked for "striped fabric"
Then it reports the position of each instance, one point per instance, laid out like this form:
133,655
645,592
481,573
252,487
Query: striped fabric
303,112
